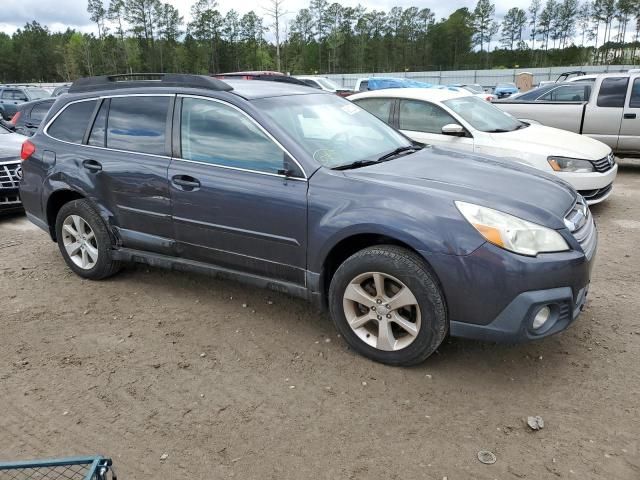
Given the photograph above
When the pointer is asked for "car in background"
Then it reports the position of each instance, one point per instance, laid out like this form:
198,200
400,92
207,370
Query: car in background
29,116
266,75
555,92
465,122
326,84
504,90
607,109
305,193
477,90
11,96
60,90
10,170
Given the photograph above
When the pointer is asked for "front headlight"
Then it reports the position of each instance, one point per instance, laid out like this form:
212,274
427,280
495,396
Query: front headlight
566,164
512,233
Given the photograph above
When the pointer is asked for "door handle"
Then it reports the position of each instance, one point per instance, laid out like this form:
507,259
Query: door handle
185,182
630,115
92,165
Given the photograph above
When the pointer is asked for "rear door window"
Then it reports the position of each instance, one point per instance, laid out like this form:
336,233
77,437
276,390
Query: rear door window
71,124
138,124
613,92
380,107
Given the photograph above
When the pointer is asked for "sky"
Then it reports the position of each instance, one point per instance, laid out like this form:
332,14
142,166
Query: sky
60,14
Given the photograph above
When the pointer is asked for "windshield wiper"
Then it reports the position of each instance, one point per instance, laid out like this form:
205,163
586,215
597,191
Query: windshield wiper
398,151
383,158
356,164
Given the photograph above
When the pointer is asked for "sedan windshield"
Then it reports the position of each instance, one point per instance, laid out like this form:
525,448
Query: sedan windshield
482,115
334,131
37,93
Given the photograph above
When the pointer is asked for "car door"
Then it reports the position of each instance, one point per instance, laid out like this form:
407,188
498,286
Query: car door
232,203
629,140
603,115
423,121
122,163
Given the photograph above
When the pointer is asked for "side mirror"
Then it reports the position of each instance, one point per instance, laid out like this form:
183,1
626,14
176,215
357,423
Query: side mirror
454,130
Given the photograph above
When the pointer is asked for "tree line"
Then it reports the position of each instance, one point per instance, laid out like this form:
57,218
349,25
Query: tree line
153,36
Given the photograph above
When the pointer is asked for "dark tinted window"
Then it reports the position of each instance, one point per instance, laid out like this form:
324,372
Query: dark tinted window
380,107
364,85
138,124
215,133
420,116
96,138
72,123
634,101
39,112
613,92
535,93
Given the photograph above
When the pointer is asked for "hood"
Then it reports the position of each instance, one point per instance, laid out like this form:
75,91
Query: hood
513,188
552,141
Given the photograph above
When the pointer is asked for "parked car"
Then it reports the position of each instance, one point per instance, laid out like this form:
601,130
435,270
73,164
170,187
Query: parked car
60,90
10,170
555,92
29,115
477,90
260,75
504,90
305,193
610,113
12,96
465,122
362,85
326,84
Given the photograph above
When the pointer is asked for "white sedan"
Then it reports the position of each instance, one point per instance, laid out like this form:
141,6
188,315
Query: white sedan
462,121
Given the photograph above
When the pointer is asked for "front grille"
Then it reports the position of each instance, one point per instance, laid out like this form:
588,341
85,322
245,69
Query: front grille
604,164
597,194
580,222
8,175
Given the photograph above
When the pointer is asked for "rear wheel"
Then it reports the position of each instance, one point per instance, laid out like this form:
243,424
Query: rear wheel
84,241
388,306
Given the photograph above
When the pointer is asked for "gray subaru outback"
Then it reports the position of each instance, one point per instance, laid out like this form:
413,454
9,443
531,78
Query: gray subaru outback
303,192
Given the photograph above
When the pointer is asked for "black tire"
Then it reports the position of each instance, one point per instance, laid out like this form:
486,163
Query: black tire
414,273
105,266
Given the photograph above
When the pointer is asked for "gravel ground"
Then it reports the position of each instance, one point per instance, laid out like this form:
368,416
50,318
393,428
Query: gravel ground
230,381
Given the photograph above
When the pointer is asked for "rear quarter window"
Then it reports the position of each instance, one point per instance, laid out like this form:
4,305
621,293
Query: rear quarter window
71,124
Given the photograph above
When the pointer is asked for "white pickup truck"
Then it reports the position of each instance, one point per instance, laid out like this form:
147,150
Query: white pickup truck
606,108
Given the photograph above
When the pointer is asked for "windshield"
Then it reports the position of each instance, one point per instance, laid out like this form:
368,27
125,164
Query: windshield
333,131
37,93
474,88
482,115
326,83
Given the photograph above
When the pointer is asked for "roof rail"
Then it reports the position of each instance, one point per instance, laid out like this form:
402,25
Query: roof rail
137,80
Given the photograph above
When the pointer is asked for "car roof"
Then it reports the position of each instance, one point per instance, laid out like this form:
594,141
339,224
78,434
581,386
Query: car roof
433,94
254,89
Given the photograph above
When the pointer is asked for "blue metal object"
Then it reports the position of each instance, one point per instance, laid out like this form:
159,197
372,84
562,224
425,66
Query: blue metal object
73,468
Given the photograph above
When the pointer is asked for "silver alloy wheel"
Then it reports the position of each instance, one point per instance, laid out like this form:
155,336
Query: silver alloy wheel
80,242
382,311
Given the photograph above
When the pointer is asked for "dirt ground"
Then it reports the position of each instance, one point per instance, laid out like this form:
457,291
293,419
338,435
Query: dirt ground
230,381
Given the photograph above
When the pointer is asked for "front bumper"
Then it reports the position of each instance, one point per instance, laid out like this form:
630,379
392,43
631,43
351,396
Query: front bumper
493,294
9,183
594,187
515,323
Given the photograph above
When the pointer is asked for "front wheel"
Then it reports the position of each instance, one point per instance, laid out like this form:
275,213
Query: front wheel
84,241
388,306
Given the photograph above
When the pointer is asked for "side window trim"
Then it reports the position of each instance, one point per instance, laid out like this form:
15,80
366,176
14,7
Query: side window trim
177,147
92,120
98,98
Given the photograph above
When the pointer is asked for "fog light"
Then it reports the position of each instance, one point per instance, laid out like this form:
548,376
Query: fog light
541,317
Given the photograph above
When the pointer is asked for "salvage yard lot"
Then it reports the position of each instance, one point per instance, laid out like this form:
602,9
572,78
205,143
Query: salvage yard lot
230,381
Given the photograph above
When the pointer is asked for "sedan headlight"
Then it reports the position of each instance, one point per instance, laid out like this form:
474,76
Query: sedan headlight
566,164
512,233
